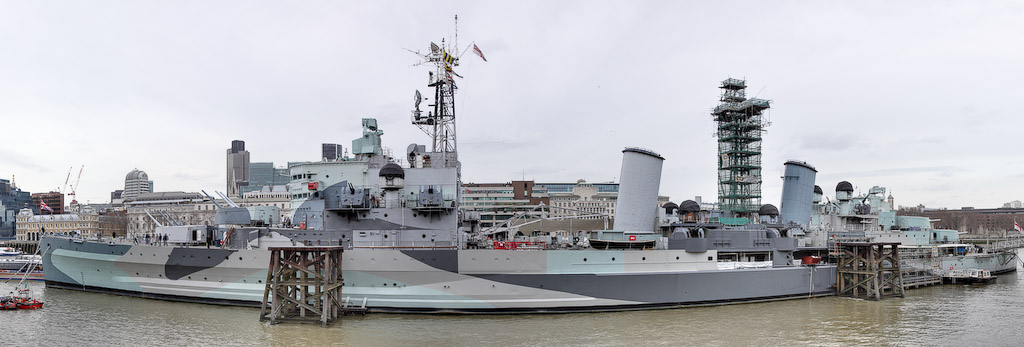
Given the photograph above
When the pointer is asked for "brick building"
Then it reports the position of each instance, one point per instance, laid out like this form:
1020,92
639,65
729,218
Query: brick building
54,200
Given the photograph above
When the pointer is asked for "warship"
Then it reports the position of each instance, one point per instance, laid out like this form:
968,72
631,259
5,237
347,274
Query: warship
409,248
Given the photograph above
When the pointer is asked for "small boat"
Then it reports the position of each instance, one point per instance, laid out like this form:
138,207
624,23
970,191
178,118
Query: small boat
9,252
972,276
8,303
29,304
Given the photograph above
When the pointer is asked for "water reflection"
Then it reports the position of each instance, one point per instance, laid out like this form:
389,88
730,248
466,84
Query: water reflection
940,315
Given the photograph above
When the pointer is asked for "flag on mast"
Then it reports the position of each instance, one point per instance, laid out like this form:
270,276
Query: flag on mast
478,52
42,205
1017,227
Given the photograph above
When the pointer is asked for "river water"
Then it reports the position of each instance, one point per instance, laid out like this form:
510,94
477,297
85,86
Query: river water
945,315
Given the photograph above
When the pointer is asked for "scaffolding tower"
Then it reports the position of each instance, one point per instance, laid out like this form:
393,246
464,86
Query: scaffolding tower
740,123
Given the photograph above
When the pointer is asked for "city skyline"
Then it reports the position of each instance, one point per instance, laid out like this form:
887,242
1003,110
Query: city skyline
907,96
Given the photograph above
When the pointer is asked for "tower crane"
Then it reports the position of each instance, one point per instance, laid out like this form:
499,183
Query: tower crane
74,188
66,181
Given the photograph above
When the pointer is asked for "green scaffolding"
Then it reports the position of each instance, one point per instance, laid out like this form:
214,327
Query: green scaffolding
740,123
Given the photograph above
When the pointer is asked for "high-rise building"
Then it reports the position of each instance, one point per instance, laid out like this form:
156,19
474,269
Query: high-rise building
135,183
265,175
13,198
238,168
53,200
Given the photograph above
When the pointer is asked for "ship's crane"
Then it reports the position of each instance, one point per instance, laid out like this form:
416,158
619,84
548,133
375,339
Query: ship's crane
74,188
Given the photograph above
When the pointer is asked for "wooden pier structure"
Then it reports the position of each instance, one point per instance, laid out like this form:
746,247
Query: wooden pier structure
303,286
870,270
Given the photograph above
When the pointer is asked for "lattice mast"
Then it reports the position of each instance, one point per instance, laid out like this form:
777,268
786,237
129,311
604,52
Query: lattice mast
740,123
439,123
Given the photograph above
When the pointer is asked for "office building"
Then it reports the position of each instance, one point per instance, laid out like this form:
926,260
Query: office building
135,183
55,200
237,168
497,202
265,175
588,200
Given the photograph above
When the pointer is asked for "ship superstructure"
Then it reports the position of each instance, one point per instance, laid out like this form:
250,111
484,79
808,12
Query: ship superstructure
926,252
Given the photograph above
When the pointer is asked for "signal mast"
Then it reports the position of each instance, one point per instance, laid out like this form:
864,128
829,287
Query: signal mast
439,123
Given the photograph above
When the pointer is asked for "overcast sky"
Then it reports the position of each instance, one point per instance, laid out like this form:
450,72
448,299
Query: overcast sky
918,97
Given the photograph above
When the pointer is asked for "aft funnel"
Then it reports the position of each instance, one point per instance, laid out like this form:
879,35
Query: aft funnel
798,192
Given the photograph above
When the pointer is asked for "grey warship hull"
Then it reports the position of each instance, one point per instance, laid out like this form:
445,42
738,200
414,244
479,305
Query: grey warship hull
431,281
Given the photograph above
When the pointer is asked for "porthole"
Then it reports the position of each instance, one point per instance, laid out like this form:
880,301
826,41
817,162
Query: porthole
385,236
644,258
204,278
677,258
239,258
423,236
613,258
584,259
385,215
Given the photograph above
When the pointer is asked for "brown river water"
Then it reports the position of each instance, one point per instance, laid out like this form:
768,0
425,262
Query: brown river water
945,315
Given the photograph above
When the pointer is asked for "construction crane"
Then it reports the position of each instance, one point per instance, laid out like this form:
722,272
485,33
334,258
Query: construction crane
66,179
74,188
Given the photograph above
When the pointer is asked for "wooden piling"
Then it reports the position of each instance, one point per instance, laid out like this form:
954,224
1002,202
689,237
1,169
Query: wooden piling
303,285
870,270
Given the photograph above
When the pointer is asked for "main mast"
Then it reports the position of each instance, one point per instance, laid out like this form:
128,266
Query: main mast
439,123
